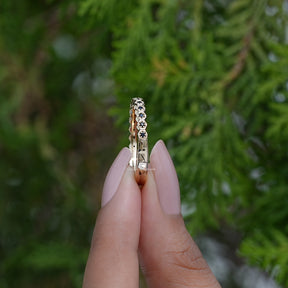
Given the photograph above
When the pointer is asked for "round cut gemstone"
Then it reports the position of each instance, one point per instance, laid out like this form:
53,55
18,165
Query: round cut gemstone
142,124
142,134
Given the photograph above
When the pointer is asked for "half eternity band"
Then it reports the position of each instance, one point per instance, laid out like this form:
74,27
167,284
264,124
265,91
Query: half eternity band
138,140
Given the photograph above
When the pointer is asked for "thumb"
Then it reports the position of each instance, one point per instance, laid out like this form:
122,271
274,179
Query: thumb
113,258
169,257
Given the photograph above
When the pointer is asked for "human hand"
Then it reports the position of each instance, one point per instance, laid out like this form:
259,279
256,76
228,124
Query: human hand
144,228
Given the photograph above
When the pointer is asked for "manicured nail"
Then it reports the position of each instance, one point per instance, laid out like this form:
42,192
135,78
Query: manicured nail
166,179
115,175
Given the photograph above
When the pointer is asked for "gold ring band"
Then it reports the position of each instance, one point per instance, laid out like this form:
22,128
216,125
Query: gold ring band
138,140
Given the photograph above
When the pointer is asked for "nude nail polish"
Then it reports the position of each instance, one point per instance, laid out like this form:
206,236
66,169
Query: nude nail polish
166,179
115,175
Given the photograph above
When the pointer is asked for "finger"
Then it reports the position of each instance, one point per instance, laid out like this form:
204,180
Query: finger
113,258
169,257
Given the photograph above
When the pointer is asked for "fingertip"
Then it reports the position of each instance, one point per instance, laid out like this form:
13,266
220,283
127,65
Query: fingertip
125,205
150,199
115,175
160,143
166,179
114,247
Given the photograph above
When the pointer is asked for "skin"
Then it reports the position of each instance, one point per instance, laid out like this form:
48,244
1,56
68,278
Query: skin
144,228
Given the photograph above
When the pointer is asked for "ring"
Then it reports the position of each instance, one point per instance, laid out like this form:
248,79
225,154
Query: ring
138,140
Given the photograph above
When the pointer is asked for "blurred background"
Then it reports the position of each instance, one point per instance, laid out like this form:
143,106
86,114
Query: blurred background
214,76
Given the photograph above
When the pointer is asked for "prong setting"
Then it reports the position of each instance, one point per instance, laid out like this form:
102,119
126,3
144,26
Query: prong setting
138,139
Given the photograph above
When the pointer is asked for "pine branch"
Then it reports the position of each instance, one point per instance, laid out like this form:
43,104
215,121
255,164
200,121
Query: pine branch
237,69
269,252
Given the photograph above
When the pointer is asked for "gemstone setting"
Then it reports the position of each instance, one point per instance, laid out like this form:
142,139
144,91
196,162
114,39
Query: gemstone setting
138,139
141,125
142,134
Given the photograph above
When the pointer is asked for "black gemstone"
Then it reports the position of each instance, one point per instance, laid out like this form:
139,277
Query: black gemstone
140,108
142,134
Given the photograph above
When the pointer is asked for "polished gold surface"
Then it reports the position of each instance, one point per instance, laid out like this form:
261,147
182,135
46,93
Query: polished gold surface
138,140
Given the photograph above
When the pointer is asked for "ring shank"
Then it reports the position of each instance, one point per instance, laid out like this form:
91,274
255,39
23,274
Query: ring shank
138,140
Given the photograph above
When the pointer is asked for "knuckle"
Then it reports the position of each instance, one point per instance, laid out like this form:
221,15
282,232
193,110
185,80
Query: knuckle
185,254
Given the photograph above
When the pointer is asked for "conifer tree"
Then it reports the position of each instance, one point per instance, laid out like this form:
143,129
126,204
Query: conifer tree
214,76
52,141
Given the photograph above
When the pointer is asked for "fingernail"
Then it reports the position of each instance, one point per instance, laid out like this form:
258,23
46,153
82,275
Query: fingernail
115,175
166,179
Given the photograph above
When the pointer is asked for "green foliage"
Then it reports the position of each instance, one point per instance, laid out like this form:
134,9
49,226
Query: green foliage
51,258
214,77
269,253
51,146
